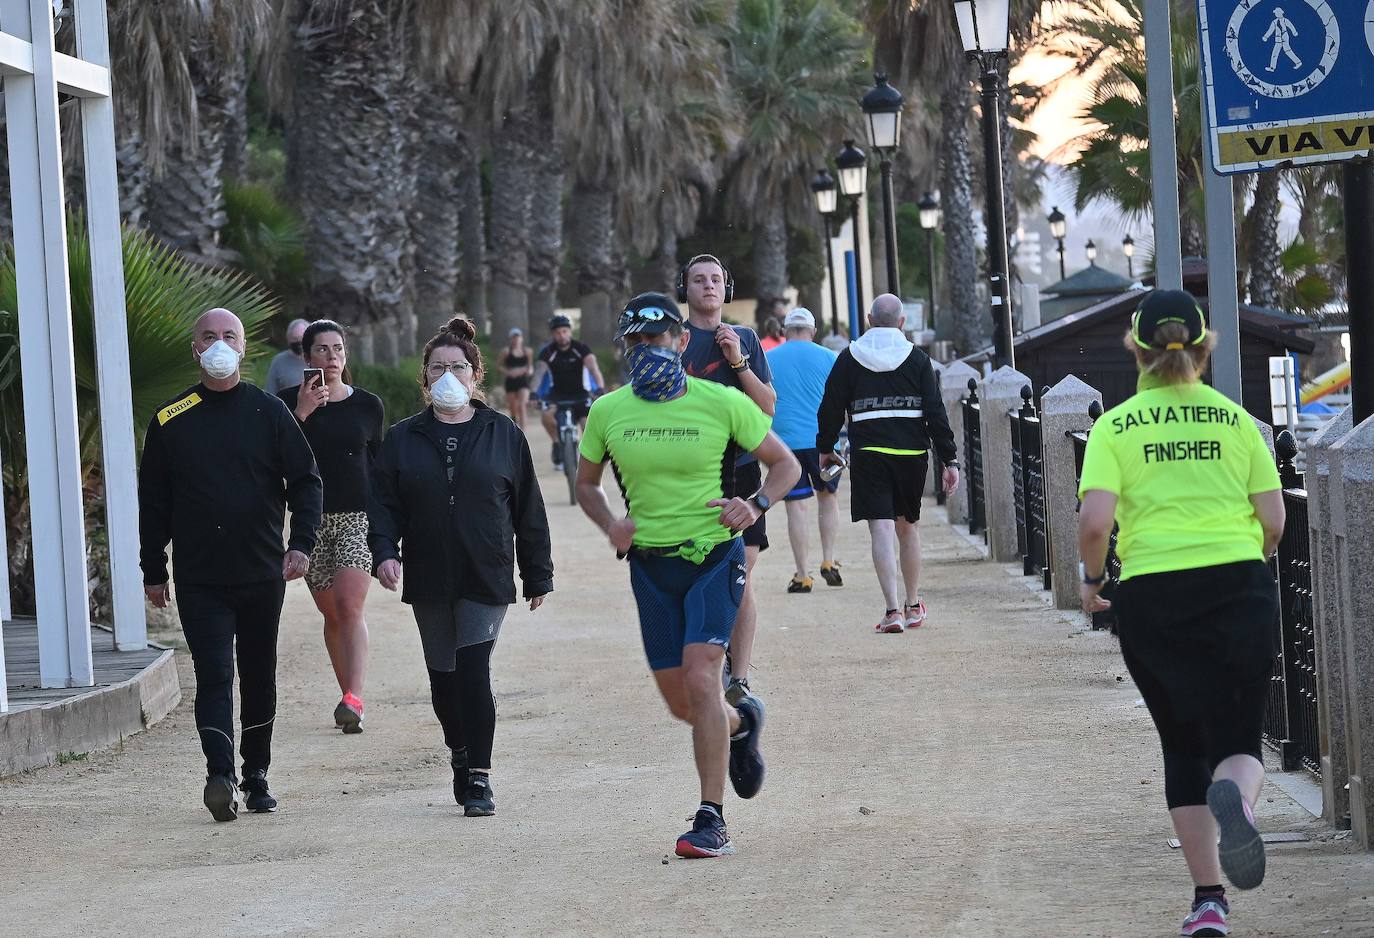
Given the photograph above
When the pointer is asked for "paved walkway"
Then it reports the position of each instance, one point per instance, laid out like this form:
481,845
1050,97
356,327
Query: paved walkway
989,774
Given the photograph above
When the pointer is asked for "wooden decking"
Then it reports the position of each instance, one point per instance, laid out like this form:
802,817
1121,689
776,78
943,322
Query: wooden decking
21,664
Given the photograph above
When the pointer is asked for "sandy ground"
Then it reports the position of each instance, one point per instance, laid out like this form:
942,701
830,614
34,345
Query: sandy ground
989,774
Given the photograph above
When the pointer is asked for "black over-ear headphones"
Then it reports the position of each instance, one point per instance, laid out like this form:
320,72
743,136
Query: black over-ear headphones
699,259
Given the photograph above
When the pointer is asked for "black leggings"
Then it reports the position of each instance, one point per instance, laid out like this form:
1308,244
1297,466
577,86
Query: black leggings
1200,646
464,704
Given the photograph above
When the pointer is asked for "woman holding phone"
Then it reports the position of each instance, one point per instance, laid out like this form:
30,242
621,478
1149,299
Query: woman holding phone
344,425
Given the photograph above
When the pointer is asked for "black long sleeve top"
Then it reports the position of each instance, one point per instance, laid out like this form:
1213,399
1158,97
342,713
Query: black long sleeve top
450,500
344,436
218,472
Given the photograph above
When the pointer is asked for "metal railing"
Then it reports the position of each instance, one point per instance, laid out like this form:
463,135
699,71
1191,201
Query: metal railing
1100,620
1028,488
973,448
1291,721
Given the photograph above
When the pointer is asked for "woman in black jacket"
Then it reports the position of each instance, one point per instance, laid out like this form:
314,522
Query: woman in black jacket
455,486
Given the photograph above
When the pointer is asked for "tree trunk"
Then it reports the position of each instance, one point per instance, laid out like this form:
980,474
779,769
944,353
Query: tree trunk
964,321
664,262
594,259
472,231
546,238
132,159
513,180
770,260
343,162
236,119
435,216
1262,235
186,208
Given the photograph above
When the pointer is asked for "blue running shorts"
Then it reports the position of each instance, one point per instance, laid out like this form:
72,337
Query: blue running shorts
682,603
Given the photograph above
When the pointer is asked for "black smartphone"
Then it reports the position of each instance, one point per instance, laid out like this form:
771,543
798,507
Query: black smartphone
314,377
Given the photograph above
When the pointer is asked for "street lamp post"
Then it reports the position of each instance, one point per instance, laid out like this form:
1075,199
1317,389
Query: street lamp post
929,210
1090,249
1128,248
823,187
1057,229
882,107
853,168
983,28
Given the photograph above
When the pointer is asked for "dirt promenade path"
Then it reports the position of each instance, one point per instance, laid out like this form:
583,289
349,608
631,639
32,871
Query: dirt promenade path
989,774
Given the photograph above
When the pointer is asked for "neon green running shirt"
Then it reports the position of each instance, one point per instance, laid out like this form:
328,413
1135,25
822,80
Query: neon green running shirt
669,456
1183,461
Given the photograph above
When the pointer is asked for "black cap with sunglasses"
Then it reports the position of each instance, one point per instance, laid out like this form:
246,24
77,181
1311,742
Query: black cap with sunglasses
649,314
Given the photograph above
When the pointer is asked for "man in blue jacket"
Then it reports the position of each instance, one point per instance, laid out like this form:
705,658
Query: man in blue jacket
888,390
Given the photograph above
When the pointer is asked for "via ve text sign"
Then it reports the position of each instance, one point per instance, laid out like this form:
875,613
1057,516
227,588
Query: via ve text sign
1288,82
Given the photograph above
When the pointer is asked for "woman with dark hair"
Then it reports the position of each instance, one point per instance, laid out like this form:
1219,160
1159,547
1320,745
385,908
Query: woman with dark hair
455,504
344,425
516,365
1186,474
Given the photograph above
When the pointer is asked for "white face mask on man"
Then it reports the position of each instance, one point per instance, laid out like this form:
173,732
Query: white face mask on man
448,394
220,360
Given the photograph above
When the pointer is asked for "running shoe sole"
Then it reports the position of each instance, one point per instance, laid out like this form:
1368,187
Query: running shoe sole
220,798
346,719
749,750
470,810
832,577
690,851
889,628
1242,848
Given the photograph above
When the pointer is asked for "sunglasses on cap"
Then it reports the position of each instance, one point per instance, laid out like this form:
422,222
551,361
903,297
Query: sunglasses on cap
650,315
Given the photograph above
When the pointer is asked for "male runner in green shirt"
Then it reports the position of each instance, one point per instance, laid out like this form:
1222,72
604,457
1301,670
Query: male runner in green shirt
669,438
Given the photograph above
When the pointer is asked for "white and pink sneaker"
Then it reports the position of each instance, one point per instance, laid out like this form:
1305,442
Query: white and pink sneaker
1207,920
914,616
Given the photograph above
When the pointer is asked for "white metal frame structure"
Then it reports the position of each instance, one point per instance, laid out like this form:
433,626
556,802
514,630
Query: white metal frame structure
34,73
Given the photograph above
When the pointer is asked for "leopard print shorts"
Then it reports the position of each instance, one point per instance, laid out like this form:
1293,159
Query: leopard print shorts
342,543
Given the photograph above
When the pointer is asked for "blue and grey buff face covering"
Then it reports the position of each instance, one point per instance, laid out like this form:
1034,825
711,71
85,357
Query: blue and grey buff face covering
656,373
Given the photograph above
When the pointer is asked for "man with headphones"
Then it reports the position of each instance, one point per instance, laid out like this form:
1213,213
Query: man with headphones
732,356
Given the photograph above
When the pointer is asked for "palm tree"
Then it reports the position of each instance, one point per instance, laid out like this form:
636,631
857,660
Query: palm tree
796,68
472,228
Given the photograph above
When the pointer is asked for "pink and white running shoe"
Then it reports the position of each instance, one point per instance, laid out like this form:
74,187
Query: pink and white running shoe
914,616
1208,919
891,623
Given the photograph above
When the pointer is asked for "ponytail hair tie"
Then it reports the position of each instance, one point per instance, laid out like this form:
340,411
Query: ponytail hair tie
1173,346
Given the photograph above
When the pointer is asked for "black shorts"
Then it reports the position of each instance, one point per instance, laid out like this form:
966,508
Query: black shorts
886,487
579,408
748,480
811,482
517,384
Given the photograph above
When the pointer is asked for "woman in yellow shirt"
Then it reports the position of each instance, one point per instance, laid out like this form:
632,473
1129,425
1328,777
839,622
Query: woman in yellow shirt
1186,474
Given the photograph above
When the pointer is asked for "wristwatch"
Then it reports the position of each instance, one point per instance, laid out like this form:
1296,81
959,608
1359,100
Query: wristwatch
953,464
761,501
743,363
1091,581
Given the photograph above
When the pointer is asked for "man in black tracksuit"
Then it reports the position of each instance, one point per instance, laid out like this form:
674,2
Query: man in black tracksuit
889,391
221,462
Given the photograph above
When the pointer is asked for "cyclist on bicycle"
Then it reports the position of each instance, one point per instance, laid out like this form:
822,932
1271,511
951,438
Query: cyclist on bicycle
563,360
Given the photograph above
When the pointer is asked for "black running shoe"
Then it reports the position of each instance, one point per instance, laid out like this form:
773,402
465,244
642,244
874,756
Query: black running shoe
746,762
221,797
1241,850
458,758
831,574
256,797
707,838
479,802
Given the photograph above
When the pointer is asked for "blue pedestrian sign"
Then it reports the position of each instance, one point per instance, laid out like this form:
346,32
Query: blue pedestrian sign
1288,82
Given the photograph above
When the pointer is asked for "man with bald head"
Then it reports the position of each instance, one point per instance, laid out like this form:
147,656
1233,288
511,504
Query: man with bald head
887,389
221,463
288,367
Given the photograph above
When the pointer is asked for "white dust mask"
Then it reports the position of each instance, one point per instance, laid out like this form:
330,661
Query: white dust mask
220,360
449,394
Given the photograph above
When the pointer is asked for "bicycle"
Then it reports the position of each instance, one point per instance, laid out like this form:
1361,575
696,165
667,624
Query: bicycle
569,439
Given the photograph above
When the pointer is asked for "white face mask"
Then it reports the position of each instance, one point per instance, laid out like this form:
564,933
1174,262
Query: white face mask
220,360
449,394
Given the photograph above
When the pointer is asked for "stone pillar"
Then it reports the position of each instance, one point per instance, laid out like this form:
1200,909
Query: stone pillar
953,386
999,394
1064,410
1326,621
1352,527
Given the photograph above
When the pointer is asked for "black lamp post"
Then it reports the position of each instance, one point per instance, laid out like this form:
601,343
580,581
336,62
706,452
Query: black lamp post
853,169
1128,248
1057,229
823,187
1090,249
929,210
983,28
883,108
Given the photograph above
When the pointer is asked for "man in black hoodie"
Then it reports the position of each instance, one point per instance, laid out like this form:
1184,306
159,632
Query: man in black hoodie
221,463
888,389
